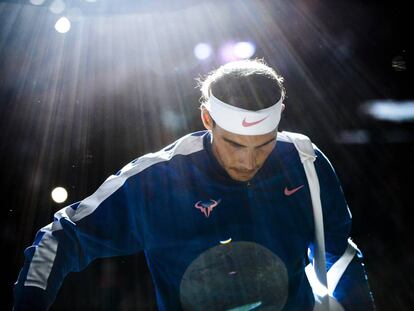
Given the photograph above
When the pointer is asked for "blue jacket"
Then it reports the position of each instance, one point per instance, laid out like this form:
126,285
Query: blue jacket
209,240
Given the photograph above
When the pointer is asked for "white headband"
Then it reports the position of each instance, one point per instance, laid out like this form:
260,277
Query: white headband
244,122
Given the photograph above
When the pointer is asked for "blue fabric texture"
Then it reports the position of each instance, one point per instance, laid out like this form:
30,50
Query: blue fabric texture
175,205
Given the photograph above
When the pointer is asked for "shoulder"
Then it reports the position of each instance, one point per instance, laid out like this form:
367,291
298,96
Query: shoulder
289,137
290,142
186,145
299,143
129,177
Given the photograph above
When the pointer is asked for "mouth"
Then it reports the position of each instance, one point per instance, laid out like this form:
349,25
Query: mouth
244,172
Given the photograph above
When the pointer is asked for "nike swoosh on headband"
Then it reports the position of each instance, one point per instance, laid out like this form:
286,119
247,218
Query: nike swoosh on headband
247,124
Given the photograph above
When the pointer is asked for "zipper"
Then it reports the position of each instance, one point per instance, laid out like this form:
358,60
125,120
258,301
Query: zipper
249,191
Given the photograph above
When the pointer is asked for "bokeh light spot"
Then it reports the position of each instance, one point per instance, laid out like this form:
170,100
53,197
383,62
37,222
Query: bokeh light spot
62,25
59,194
202,51
57,6
244,50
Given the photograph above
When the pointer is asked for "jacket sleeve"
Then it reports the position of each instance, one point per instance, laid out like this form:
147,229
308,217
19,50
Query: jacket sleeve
102,225
352,291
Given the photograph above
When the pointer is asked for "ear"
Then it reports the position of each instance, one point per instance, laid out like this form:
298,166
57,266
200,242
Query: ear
283,107
206,119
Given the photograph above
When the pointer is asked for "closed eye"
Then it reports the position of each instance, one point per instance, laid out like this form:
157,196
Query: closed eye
235,145
266,143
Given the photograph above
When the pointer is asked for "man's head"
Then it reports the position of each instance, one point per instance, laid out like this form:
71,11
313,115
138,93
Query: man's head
241,106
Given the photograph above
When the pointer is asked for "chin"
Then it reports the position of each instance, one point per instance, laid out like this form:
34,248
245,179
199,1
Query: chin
244,178
241,177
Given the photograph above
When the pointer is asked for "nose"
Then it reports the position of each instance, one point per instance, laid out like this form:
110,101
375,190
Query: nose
247,160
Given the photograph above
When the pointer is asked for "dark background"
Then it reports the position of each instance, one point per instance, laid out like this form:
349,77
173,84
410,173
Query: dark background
76,107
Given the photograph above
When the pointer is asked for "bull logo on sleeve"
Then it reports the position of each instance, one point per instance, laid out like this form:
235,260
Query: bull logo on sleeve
206,207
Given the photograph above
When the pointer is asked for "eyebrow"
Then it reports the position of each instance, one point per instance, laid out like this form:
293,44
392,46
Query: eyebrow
240,145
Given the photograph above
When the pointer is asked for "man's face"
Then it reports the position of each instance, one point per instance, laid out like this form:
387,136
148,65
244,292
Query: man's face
241,156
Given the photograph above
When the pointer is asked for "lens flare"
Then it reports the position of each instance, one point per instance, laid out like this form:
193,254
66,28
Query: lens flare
59,194
62,25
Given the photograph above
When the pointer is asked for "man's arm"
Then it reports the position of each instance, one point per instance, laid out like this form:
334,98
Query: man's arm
102,225
352,290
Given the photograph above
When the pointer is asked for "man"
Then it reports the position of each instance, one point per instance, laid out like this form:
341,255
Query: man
224,215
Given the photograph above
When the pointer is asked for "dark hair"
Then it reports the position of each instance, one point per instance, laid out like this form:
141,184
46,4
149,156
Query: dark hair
247,84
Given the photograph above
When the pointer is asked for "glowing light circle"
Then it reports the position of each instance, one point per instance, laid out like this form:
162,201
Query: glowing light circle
62,25
57,6
59,194
227,52
202,51
244,50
